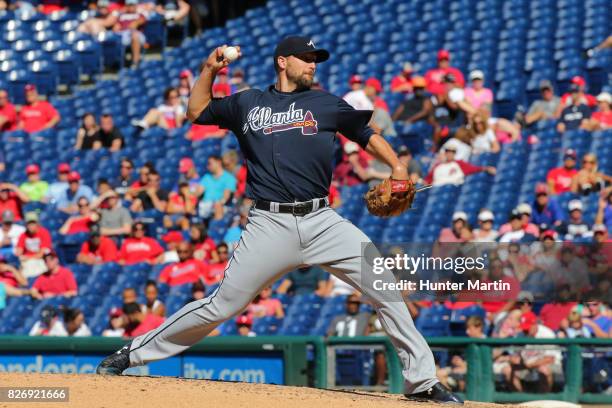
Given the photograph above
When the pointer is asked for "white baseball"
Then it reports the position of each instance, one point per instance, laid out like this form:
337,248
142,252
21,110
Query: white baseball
230,53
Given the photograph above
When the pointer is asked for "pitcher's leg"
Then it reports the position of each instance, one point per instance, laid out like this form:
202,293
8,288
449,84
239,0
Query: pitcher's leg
267,249
336,245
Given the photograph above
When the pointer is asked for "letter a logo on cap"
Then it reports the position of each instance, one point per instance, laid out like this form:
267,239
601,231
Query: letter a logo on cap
310,43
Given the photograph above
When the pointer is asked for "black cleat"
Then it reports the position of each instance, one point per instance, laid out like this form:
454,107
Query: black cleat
116,363
437,393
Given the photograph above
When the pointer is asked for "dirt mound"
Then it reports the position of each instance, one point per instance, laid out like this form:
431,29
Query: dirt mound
91,391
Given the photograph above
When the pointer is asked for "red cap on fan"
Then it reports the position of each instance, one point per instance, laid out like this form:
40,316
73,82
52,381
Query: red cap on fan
355,79
443,55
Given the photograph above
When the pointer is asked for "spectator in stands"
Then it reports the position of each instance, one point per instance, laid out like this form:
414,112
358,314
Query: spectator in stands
576,115
181,207
36,114
49,324
189,174
122,183
10,276
186,270
335,201
575,328
416,106
12,199
153,197
204,247
373,88
9,231
168,115
237,81
86,135
198,291
172,239
454,376
403,82
129,26
354,168
58,188
174,11
575,227
380,170
244,324
74,322
8,114
129,295
555,312
139,248
357,97
231,163
545,209
545,362
602,118
153,304
219,186
559,179
352,323
486,232
264,305
80,222
222,88
216,270
599,322
32,245
477,95
525,211
115,323
570,268
588,179
233,233
456,232
516,233
34,188
56,281
201,132
604,209
476,137
451,171
108,136
68,201
102,20
435,76
137,322
184,87
449,110
304,281
544,108
115,220
577,85
98,249
381,121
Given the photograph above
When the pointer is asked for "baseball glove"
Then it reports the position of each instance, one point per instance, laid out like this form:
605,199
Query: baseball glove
390,197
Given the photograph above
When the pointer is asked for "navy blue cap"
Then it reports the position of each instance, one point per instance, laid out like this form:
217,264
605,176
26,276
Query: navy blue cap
296,45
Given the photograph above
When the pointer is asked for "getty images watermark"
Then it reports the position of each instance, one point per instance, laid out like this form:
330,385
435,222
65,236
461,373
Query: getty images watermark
410,264
487,272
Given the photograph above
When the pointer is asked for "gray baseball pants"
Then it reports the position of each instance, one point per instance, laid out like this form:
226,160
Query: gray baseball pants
271,245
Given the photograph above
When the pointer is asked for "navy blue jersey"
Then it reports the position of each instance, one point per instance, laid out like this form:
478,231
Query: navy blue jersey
287,138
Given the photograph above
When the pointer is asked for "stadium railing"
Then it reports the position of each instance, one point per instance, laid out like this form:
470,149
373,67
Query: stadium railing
480,381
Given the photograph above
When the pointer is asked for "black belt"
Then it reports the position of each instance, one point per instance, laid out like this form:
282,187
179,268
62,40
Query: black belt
299,209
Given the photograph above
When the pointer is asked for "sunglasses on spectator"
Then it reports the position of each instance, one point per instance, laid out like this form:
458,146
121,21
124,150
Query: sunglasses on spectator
588,161
524,302
83,205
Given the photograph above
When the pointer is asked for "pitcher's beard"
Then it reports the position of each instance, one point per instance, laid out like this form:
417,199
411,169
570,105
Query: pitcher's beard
301,81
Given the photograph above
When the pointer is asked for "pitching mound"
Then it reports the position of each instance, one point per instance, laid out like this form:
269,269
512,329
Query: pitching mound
91,391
